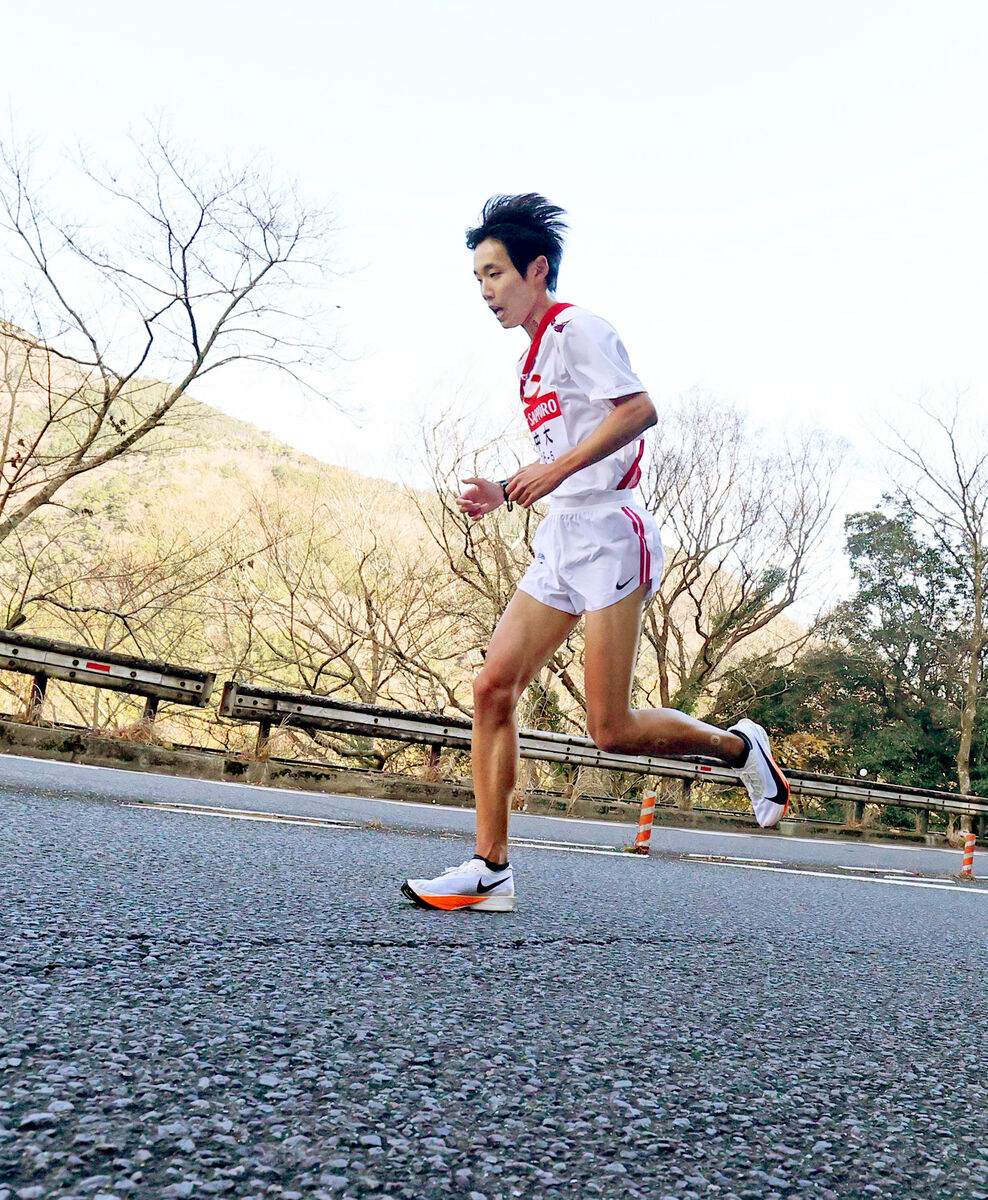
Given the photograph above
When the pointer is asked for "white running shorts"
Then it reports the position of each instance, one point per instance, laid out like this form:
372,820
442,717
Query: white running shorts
589,558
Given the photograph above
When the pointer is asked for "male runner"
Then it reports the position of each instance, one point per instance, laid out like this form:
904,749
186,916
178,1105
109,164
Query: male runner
598,553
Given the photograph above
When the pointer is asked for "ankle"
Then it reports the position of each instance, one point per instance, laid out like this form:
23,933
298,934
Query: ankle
734,749
496,859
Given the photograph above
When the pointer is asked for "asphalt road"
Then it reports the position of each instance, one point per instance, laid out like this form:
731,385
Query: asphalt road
194,1005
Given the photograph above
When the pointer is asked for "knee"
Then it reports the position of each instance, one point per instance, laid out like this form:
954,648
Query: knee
611,734
494,694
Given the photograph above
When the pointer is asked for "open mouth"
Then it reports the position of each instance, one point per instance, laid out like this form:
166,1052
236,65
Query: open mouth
497,311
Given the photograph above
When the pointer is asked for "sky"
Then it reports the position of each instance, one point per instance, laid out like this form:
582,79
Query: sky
778,202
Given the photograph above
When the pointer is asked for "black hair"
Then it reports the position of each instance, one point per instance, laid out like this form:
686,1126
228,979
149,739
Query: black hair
527,226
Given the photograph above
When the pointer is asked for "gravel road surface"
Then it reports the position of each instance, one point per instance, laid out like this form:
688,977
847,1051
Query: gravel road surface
194,1005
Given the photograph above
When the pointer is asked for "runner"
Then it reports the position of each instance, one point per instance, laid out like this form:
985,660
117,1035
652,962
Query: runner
598,553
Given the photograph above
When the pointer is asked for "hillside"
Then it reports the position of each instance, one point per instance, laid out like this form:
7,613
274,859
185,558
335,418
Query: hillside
214,544
170,551
209,465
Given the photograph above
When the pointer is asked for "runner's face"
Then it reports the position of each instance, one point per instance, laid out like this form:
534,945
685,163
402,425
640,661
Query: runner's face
510,296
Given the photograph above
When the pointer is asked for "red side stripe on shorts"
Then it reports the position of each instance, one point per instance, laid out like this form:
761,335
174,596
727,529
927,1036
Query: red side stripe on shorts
644,554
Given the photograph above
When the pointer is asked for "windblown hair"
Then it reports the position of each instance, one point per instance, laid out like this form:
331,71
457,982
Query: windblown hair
526,226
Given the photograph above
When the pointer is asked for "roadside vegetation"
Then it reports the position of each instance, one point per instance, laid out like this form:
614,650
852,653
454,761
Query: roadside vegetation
134,518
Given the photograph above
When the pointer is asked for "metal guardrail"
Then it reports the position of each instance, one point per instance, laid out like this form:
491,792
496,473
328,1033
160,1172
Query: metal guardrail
270,706
45,659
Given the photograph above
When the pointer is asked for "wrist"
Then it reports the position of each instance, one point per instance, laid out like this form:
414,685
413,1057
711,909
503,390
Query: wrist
565,465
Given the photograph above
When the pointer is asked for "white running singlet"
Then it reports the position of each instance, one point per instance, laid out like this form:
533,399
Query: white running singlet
597,544
574,370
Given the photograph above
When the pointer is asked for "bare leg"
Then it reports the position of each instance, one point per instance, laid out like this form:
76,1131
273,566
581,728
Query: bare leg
611,650
525,638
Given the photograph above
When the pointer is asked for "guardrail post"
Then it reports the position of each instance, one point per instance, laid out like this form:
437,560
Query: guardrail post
923,820
854,812
151,708
39,686
263,737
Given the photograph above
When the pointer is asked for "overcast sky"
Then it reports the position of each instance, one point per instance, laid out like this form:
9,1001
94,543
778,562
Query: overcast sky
782,202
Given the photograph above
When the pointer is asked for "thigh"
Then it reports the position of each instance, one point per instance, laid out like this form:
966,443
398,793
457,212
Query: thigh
611,650
525,638
609,554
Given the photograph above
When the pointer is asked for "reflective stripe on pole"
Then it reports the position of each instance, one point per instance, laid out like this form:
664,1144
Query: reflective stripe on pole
967,870
645,823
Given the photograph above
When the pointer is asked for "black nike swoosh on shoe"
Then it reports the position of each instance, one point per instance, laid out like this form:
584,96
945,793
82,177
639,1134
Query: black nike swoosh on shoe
626,582
781,783
483,888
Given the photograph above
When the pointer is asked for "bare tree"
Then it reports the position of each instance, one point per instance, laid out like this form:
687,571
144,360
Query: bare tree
194,268
348,608
144,591
948,493
740,527
346,600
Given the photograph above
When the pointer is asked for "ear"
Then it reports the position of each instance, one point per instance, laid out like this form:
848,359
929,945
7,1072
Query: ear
538,271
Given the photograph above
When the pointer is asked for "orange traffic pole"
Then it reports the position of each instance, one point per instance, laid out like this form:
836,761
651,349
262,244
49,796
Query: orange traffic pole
967,870
645,823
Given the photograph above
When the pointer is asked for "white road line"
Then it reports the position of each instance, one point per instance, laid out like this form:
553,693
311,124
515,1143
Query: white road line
819,841
235,814
948,884
947,887
810,841
658,829
523,841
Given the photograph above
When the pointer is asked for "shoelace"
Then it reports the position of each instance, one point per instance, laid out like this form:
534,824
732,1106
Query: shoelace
463,867
455,870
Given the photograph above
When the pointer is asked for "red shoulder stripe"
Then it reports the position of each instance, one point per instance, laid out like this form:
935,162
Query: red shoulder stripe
533,349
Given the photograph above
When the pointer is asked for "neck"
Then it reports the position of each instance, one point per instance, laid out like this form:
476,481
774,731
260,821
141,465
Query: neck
539,309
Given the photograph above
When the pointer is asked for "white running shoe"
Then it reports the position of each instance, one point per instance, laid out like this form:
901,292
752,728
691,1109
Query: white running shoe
767,787
470,885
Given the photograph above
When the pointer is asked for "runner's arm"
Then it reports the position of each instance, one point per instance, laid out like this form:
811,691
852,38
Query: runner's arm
628,420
